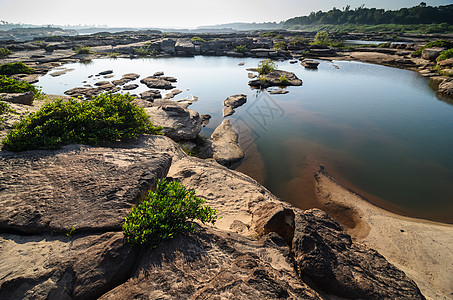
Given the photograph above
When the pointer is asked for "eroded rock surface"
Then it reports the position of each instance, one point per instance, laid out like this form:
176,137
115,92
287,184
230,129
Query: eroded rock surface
276,78
178,123
90,189
19,98
225,145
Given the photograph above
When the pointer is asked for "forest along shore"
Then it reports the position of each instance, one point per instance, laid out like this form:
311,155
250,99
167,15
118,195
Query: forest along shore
423,250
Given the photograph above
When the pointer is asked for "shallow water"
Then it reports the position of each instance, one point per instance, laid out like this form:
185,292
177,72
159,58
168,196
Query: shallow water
379,130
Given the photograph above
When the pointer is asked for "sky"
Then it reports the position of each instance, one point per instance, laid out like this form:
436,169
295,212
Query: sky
176,13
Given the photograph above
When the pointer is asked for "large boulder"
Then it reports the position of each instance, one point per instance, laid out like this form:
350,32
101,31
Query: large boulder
19,98
184,46
225,145
178,123
89,189
60,267
325,255
168,46
432,53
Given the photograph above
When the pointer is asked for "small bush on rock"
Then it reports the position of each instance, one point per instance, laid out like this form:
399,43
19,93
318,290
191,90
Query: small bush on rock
169,210
11,85
4,52
198,39
108,117
241,49
280,45
445,55
266,66
83,50
15,68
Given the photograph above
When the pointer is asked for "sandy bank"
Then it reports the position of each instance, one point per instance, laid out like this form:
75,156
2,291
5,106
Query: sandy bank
422,249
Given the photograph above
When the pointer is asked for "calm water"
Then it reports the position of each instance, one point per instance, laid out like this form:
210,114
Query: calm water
379,130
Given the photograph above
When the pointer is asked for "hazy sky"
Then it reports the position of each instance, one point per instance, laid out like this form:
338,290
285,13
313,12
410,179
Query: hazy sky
176,13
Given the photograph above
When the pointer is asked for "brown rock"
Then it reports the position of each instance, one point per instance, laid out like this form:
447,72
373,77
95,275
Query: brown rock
151,95
157,83
275,79
446,87
432,53
326,256
225,145
91,189
20,98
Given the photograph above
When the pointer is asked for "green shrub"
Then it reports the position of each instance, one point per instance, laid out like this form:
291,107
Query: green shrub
268,34
11,85
198,39
322,38
4,52
279,36
283,79
144,51
417,53
15,68
169,210
280,45
266,66
108,117
445,54
241,49
83,50
439,43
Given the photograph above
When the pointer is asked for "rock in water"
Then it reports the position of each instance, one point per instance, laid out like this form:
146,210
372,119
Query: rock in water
225,145
91,189
178,123
233,102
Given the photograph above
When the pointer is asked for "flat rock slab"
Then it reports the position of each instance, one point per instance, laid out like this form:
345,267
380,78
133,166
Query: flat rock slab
233,102
225,145
276,78
19,98
446,87
157,83
90,189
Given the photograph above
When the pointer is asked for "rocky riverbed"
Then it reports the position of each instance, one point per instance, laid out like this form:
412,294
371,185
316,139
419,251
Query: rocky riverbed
62,210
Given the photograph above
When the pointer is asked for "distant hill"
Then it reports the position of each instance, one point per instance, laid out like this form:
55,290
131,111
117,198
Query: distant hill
244,26
25,34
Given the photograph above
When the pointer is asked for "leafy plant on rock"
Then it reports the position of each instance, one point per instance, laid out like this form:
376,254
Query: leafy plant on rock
280,45
108,117
15,68
266,66
445,55
198,39
11,85
4,52
170,210
241,49
283,79
82,50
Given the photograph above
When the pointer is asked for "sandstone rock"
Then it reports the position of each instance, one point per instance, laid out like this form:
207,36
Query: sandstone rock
121,81
61,267
150,95
446,62
168,46
20,98
131,76
178,123
213,264
232,102
432,53
172,93
130,87
62,72
160,73
275,79
205,119
278,92
157,83
99,83
326,256
225,145
309,64
185,45
446,87
105,72
91,189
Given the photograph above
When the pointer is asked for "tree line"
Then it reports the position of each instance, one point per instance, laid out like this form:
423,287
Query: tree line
420,14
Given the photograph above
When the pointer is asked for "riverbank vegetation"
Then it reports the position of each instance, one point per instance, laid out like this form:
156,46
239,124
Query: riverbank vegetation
170,210
15,68
108,117
11,85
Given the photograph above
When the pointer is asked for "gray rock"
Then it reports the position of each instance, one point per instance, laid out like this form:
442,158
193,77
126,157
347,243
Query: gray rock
225,145
326,256
62,72
130,87
121,81
168,46
432,53
91,189
99,83
157,83
185,44
20,98
150,95
105,72
275,79
309,64
205,119
178,123
233,102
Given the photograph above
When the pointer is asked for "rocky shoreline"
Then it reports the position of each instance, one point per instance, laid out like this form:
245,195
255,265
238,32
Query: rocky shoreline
62,210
